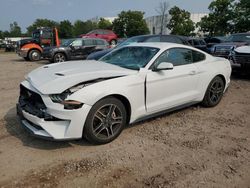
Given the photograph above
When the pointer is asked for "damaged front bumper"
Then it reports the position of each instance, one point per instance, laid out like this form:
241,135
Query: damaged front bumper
45,119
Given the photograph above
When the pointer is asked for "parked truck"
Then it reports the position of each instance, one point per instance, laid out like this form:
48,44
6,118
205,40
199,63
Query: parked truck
31,49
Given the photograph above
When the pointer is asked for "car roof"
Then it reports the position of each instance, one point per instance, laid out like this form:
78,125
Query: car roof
241,33
164,46
161,45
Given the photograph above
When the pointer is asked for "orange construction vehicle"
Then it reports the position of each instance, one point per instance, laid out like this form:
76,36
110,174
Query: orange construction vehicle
31,49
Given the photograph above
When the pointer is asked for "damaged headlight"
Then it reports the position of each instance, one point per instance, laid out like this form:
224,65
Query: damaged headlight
68,104
71,104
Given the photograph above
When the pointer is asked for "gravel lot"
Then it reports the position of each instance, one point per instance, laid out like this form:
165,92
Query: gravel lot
194,147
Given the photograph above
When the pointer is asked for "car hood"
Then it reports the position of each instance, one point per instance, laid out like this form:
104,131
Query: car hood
56,78
243,49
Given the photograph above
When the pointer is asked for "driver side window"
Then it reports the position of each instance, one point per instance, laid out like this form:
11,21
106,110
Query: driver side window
176,56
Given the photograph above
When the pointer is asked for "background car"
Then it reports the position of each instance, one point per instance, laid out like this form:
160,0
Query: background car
97,99
198,43
73,49
231,42
142,38
211,41
240,57
107,35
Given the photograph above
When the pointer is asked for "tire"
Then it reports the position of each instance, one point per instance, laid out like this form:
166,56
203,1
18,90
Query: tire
34,55
105,121
26,58
59,57
214,92
113,42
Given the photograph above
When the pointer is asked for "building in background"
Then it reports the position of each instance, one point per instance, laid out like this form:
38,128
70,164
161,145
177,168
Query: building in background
154,23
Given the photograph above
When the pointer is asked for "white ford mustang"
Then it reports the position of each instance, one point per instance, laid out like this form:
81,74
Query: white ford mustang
96,99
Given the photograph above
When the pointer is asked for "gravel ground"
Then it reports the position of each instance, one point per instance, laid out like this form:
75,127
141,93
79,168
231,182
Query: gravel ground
193,147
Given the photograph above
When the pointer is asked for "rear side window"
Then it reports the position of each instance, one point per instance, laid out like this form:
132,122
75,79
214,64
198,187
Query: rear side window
89,42
106,32
100,42
198,56
169,39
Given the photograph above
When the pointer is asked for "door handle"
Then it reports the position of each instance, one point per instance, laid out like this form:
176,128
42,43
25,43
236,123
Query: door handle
192,72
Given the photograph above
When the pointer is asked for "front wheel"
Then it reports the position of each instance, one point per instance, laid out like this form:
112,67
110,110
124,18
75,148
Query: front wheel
34,55
105,121
113,42
214,92
59,57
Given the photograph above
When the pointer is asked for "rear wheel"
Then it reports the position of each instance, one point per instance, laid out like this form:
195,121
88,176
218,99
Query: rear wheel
113,42
59,57
214,92
34,55
105,121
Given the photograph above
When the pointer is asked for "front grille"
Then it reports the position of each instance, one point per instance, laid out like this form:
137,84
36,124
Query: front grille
241,58
31,102
222,50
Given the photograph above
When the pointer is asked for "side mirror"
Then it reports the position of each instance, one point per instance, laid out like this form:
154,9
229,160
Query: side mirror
163,66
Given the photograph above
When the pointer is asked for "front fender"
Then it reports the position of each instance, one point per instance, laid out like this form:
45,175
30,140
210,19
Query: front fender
131,87
31,46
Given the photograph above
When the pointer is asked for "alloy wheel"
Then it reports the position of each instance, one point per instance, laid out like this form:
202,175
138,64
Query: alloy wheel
216,91
107,121
60,58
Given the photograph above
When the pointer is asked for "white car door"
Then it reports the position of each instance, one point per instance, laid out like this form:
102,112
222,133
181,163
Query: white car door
170,88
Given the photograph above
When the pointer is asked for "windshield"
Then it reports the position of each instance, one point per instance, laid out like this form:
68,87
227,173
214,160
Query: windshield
36,35
130,57
67,42
238,38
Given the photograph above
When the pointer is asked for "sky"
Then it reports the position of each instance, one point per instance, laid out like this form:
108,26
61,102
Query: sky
25,12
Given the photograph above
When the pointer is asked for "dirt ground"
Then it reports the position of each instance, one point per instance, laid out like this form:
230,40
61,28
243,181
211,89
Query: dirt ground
193,147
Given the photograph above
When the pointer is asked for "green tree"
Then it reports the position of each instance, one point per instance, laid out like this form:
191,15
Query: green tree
180,22
89,26
219,20
241,19
1,35
6,34
15,30
41,23
65,29
104,24
130,23
81,27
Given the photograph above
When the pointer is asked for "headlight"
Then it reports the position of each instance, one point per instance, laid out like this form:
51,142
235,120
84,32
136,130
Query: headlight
68,104
59,98
232,53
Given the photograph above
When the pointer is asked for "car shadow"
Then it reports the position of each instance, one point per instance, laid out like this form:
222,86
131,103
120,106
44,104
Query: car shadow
14,128
238,75
163,114
21,60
